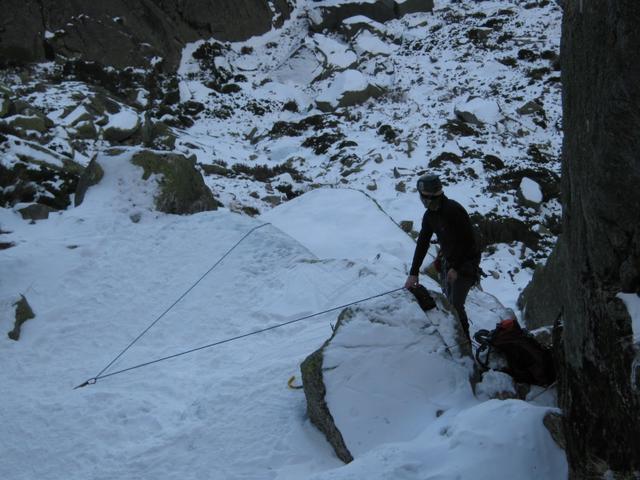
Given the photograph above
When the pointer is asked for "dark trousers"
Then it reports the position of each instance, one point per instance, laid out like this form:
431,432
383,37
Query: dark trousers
456,292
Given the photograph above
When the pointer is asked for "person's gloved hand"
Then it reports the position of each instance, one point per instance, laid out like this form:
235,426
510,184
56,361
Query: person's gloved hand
412,281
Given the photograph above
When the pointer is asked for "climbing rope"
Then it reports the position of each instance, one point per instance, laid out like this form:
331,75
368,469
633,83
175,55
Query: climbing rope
100,376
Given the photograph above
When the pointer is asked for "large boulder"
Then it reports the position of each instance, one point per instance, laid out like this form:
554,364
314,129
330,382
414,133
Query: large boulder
181,187
91,176
36,211
120,33
347,88
22,314
478,111
121,126
145,180
376,350
31,173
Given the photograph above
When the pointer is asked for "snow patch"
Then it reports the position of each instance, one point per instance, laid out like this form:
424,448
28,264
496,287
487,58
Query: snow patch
367,42
632,302
530,190
485,110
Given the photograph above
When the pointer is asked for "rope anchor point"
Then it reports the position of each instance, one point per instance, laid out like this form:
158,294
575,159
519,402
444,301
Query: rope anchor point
91,381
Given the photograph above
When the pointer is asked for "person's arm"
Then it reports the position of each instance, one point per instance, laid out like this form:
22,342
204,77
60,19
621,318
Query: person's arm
422,247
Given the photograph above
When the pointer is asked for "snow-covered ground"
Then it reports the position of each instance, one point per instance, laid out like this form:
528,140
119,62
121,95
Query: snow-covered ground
95,279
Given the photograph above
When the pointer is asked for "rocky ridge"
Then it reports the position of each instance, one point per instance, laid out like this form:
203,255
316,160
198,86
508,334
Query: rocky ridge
428,117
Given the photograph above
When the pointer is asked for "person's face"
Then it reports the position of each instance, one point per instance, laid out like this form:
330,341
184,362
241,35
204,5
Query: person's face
431,202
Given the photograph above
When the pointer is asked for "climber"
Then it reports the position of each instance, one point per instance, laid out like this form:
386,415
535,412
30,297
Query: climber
459,252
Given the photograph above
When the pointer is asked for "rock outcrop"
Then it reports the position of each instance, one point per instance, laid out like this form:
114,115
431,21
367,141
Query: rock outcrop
36,174
182,189
598,255
121,34
23,313
329,15
151,180
387,338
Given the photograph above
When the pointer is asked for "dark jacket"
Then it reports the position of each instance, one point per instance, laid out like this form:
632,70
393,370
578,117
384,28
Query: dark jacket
453,228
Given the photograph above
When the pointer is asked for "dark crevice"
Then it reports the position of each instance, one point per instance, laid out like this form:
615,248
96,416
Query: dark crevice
49,52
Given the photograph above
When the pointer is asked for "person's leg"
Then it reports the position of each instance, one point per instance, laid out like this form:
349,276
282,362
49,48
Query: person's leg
457,294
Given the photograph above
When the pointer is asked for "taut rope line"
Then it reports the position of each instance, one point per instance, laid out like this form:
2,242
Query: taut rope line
93,380
178,300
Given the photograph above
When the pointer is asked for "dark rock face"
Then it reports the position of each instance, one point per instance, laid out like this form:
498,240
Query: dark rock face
330,17
315,391
91,176
182,189
120,33
598,255
23,313
504,230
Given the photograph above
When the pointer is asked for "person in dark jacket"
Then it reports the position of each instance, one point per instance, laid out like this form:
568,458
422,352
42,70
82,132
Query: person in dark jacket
459,254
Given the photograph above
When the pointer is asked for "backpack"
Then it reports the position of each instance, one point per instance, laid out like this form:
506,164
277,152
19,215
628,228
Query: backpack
528,361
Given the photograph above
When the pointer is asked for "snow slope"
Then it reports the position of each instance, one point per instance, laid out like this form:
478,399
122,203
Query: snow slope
95,280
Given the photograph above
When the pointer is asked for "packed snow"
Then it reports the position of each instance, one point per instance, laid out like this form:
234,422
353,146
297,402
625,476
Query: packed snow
225,412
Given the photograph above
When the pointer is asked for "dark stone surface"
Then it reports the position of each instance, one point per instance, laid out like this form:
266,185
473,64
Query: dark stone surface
504,230
538,300
120,33
91,176
315,391
599,253
23,313
36,211
331,17
182,189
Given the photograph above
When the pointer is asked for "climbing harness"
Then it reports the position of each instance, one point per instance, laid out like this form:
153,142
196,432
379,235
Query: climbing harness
100,376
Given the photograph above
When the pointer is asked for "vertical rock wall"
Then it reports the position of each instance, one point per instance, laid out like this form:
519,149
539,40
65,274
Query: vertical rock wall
598,255
119,33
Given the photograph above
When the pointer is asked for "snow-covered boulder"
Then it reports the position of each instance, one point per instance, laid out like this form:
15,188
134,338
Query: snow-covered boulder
387,371
351,26
530,193
350,87
169,179
478,111
335,56
121,125
32,173
36,211
370,44
391,380
303,67
27,123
